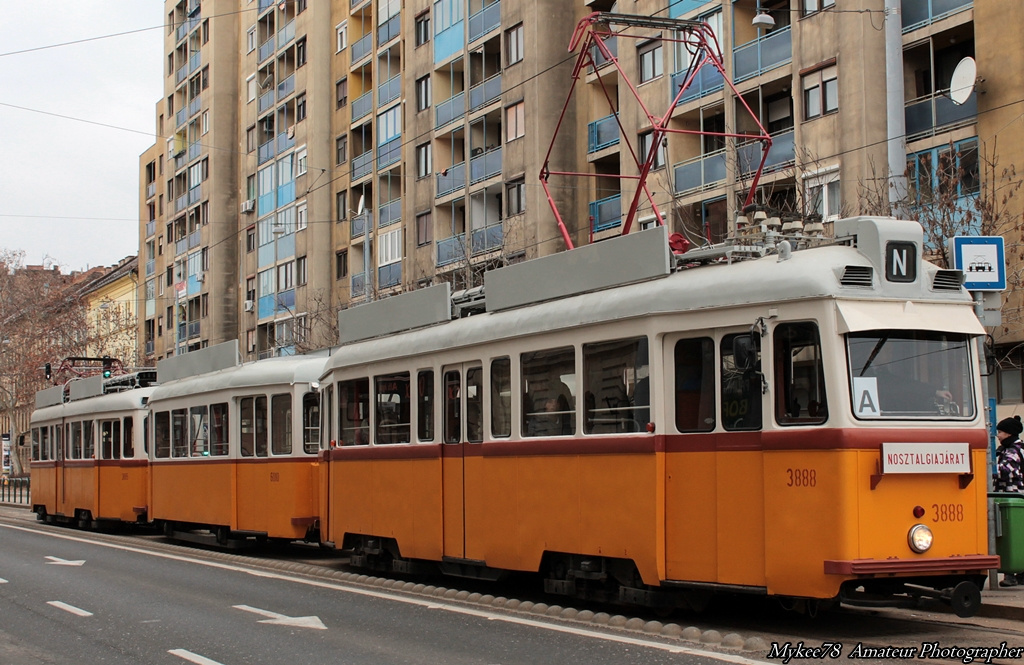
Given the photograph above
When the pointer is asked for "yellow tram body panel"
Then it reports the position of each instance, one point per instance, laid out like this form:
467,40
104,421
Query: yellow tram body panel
196,492
44,485
79,490
122,490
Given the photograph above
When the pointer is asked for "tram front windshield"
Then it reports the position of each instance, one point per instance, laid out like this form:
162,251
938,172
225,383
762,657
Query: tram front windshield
910,374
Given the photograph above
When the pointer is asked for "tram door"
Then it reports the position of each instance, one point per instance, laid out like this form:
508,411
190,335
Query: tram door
63,435
462,425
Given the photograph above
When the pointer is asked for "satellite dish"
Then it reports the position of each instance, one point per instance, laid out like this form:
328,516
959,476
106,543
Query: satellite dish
362,203
961,85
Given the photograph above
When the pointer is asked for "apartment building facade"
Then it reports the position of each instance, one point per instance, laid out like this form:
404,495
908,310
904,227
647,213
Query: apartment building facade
320,154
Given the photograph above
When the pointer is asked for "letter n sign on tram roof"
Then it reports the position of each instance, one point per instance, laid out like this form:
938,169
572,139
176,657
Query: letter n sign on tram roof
983,261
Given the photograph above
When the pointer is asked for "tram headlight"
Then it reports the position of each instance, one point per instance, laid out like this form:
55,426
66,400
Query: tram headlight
920,538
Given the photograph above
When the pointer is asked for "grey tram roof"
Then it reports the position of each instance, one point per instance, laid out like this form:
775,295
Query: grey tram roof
537,296
118,402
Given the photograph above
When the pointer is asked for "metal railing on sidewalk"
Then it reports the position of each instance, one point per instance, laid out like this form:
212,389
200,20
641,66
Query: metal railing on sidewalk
15,490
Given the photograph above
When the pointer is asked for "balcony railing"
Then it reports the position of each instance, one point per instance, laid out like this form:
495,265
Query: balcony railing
266,152
606,213
358,284
266,100
194,239
180,117
389,153
484,21
193,329
390,90
181,74
925,116
181,202
194,150
485,165
362,106
362,47
265,4
286,300
359,224
195,194
917,13
149,347
195,105
266,49
150,228
700,172
707,81
487,238
150,192
451,109
482,94
181,246
613,46
451,179
362,165
286,34
782,153
762,54
150,267
390,30
602,133
389,275
284,141
451,250
286,87
389,213
194,62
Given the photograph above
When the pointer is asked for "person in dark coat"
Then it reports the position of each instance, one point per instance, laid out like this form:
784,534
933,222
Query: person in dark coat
1009,476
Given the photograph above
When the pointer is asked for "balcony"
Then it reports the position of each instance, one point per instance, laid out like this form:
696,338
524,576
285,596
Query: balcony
362,106
266,49
194,238
487,239
362,165
485,165
677,8
451,250
180,117
186,27
195,105
389,153
266,101
181,203
149,347
918,13
358,284
602,133
606,213
181,246
150,267
182,330
181,74
389,213
707,81
359,224
484,21
451,179
150,227
613,47
286,34
284,141
193,329
760,55
194,62
390,90
362,48
699,173
150,192
390,30
928,115
194,150
266,152
265,4
286,87
286,301
389,275
781,155
484,93
451,109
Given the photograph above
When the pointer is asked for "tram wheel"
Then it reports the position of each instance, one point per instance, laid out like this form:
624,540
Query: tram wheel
965,599
40,514
223,533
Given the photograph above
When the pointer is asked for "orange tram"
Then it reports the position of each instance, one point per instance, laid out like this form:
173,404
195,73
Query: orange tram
782,415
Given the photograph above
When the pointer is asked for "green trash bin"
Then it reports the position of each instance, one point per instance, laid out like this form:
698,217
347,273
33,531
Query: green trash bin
1009,530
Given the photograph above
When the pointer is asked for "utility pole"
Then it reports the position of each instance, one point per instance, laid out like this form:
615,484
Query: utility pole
896,124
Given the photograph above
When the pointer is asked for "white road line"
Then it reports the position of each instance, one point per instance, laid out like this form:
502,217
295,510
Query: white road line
69,608
421,602
192,657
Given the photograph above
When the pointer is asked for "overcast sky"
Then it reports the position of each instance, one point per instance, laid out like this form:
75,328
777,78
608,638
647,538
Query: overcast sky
68,188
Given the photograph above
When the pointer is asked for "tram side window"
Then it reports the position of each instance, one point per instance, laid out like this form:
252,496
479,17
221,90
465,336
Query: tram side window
44,444
179,433
76,441
549,403
35,444
310,423
501,397
219,429
128,438
88,440
452,406
475,404
248,431
326,429
281,424
695,384
354,411
393,408
58,442
110,439
425,405
199,431
616,379
162,434
260,425
741,386
799,375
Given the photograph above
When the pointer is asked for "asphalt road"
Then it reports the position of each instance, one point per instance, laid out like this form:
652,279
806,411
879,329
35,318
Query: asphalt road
67,599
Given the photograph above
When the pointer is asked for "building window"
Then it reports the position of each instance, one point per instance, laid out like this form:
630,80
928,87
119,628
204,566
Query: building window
206,122
341,264
250,288
300,52
424,229
423,160
651,66
341,204
250,240
422,29
341,92
515,121
285,276
250,40
645,150
250,86
515,195
300,217
822,194
341,149
342,35
423,93
812,6
300,108
389,247
943,174
821,93
300,270
301,159
514,44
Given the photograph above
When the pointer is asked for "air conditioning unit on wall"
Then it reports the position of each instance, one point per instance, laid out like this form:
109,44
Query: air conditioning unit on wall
248,305
248,206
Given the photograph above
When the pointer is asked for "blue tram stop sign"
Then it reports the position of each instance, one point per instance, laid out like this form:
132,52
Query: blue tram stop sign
983,261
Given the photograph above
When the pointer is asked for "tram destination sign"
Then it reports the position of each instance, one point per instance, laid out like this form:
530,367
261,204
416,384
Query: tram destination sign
926,458
982,260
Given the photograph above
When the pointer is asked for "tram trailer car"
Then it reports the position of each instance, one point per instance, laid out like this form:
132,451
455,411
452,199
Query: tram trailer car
234,449
805,425
89,464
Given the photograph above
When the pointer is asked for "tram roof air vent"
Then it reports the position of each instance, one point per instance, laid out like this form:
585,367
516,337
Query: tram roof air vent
857,276
948,280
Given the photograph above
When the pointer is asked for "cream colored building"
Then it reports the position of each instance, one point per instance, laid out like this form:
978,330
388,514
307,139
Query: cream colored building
111,304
